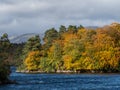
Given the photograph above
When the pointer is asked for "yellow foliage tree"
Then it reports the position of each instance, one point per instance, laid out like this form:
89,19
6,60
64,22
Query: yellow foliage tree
33,60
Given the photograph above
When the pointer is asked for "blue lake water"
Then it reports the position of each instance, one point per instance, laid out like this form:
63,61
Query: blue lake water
63,82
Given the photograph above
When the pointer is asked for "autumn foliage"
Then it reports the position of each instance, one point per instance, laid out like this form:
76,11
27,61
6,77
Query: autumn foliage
77,48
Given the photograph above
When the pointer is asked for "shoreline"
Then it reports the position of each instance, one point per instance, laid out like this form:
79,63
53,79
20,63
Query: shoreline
68,72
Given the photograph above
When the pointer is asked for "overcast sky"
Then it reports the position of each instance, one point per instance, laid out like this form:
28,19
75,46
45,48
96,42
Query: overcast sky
35,16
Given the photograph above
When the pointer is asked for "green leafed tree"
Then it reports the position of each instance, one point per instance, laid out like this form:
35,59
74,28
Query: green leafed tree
72,29
4,54
50,36
62,29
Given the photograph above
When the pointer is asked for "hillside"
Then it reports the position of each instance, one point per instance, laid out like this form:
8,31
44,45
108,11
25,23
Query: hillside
22,38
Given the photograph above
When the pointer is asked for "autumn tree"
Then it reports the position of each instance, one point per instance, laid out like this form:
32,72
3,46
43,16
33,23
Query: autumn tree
73,49
32,61
55,57
104,48
33,44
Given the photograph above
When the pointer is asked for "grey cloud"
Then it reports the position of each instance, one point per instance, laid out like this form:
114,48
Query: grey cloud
22,16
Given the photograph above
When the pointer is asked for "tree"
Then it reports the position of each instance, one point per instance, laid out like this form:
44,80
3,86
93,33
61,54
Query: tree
80,27
4,54
50,36
33,44
72,29
62,29
104,52
55,57
32,61
73,49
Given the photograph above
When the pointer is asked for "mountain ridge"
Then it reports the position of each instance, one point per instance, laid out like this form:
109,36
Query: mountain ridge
22,38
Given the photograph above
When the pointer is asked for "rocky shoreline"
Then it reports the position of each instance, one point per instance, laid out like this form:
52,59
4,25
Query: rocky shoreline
70,71
81,71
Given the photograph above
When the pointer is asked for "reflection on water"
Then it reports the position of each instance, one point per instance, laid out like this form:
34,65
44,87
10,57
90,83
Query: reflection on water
63,82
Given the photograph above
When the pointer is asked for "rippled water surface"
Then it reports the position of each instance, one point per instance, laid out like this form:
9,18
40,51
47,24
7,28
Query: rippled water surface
63,82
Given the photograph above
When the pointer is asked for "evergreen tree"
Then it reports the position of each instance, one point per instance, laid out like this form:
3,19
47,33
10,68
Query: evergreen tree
72,29
4,54
50,36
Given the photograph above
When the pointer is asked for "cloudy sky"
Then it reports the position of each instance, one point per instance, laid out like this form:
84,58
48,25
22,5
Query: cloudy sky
35,16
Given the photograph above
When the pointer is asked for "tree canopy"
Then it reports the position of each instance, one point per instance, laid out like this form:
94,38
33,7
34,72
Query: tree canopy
76,48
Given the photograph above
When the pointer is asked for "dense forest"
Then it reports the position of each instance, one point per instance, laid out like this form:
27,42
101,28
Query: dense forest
73,49
69,49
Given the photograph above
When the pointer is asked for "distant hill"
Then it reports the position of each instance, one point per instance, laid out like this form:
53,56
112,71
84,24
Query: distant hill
114,25
22,38
91,27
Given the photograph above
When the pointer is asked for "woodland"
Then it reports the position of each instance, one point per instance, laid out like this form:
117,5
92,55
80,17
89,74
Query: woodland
68,49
